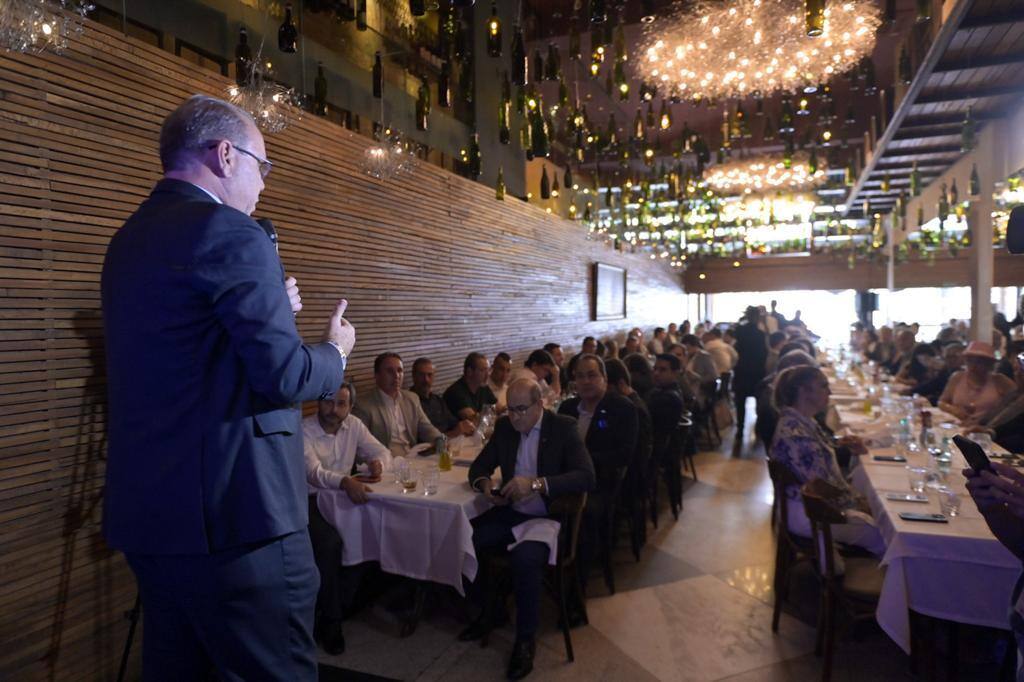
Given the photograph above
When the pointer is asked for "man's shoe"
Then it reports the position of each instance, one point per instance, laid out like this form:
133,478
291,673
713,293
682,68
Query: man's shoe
332,638
521,663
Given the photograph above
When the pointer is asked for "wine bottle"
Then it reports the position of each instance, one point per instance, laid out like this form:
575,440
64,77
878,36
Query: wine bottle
915,181
814,17
539,134
924,11
538,65
545,184
968,131
575,53
243,58
505,111
974,186
378,76
417,8
906,69
812,161
494,32
665,117
954,195
786,126
567,181
361,15
650,115
598,11
520,63
473,163
287,34
553,68
886,183
499,186
320,91
638,126
444,85
422,105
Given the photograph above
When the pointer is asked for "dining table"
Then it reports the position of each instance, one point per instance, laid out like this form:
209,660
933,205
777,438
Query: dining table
954,570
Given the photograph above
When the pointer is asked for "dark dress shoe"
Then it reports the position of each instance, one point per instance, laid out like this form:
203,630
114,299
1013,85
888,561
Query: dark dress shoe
521,663
478,629
332,638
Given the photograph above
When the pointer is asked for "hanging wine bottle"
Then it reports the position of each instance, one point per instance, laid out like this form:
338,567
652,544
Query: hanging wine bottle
545,184
505,111
812,161
520,63
598,11
906,69
954,195
868,72
473,162
422,105
539,134
524,140
554,64
575,53
494,32
638,126
563,93
417,8
974,186
814,17
567,181
361,15
787,154
287,34
444,85
555,188
538,65
378,76
499,186
915,181
786,126
924,11
612,134
320,91
665,117
243,58
920,216
968,131
768,134
886,184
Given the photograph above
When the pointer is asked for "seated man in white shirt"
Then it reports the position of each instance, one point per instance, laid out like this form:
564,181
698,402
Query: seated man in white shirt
332,443
543,369
724,355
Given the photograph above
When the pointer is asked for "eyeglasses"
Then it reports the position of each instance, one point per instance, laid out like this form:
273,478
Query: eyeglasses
520,410
265,166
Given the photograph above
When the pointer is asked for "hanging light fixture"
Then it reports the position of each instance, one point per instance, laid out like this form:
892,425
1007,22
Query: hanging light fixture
729,50
272,105
390,155
765,173
494,32
33,26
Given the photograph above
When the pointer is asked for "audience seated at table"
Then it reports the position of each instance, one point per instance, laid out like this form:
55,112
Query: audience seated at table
469,395
611,350
620,383
656,346
541,457
665,404
671,334
776,340
698,370
607,422
724,355
924,364
332,443
501,369
767,414
904,348
975,392
934,382
641,375
556,353
433,405
801,444
882,350
633,346
541,367
1006,423
394,415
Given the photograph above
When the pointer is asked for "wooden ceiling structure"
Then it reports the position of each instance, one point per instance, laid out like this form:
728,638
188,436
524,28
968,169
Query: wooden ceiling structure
974,59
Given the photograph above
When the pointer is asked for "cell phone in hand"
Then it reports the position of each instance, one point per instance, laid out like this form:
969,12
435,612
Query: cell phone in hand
973,453
906,497
929,518
889,458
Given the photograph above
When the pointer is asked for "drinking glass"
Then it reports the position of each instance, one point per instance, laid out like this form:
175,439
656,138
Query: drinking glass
917,476
431,478
400,468
984,440
949,502
410,475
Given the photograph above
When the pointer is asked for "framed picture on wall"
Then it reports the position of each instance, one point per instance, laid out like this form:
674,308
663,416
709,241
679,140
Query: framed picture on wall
608,292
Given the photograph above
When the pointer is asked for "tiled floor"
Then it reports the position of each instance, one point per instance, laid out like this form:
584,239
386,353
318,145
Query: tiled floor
696,607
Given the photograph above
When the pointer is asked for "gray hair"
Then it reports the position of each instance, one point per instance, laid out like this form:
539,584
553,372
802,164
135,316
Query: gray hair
535,393
196,121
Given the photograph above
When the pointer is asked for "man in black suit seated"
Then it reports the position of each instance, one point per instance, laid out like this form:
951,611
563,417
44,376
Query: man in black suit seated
665,404
607,423
541,457
640,471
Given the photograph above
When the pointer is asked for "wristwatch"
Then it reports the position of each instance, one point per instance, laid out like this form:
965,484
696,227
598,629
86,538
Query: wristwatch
537,485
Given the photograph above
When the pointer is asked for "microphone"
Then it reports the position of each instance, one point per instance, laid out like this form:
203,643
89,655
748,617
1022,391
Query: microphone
268,226
1015,231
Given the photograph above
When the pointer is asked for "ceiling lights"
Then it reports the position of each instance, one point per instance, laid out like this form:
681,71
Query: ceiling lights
38,25
764,174
740,47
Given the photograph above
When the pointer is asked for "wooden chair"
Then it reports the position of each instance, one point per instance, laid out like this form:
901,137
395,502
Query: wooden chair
855,589
789,549
568,511
607,534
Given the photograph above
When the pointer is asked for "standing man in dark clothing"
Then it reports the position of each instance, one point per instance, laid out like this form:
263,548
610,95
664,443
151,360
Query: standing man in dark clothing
752,346
206,492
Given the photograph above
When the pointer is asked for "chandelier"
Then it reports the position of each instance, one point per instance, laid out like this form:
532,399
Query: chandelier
389,157
737,48
764,174
38,25
272,105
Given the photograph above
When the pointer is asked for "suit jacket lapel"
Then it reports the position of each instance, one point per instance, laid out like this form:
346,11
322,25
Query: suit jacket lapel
409,416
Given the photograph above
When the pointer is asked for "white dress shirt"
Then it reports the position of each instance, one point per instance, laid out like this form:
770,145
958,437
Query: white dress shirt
499,393
329,457
399,445
724,355
526,465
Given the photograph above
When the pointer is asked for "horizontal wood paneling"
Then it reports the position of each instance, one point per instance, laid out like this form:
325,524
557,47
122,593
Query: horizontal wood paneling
431,263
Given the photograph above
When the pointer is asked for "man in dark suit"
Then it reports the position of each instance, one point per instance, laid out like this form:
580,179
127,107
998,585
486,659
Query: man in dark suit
608,424
205,490
541,457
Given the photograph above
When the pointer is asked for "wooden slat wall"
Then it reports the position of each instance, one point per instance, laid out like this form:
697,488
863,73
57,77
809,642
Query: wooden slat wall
431,264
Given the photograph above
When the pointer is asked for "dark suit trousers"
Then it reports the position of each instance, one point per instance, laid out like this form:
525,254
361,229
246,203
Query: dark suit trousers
246,612
492,533
338,584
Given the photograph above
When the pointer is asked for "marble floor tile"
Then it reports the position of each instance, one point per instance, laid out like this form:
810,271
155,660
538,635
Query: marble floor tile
756,580
655,567
733,475
696,629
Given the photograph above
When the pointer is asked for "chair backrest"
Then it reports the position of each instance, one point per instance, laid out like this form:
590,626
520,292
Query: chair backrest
569,510
783,478
822,514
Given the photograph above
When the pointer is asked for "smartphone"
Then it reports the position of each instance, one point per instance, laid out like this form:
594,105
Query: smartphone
930,518
906,497
973,453
889,458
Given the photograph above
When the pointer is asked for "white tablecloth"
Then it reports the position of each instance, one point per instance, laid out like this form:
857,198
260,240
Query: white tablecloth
420,536
956,571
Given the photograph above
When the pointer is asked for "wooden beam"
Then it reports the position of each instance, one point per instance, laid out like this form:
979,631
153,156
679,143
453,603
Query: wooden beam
964,94
981,62
920,151
1015,16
